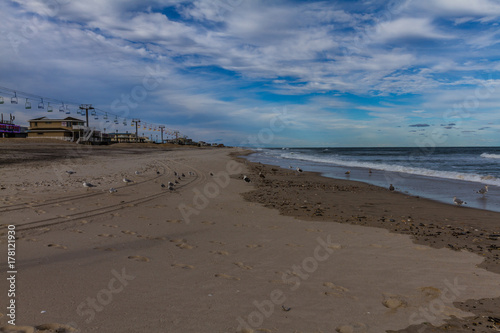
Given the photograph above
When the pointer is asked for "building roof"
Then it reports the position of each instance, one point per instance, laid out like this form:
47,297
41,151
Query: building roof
48,119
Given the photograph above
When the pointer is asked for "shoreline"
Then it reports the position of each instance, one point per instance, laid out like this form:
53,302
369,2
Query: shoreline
427,221
434,187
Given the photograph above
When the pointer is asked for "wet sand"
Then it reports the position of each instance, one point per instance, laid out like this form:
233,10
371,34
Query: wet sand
201,258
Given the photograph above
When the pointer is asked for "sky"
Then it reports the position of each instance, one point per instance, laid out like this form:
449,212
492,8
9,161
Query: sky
262,73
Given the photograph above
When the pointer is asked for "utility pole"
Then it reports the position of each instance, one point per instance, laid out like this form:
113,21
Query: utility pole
86,107
136,121
162,128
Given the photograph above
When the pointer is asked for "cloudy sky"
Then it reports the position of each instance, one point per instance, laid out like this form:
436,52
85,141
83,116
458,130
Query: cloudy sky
263,72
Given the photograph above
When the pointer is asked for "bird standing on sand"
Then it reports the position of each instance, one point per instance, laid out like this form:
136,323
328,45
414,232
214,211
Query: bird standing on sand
458,202
125,180
87,185
245,178
162,185
391,187
298,169
113,190
69,172
211,174
137,173
483,191
348,172
261,175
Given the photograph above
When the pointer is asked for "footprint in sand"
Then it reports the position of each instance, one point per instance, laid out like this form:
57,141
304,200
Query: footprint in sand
184,246
242,265
274,227
241,225
84,221
430,293
110,225
40,211
77,231
353,328
129,232
314,230
182,266
102,248
377,246
335,290
58,246
174,221
139,258
106,235
217,242
208,222
71,208
253,246
222,253
116,214
228,277
394,302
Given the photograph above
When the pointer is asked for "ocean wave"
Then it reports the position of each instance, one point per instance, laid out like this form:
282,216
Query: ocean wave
484,179
486,155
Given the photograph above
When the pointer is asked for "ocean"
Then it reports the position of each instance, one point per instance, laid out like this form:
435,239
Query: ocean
438,173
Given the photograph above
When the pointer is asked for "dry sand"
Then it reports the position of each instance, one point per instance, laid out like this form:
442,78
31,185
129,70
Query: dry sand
203,259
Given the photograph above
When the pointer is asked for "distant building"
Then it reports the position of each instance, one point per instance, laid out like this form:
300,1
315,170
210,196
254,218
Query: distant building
68,129
125,137
10,130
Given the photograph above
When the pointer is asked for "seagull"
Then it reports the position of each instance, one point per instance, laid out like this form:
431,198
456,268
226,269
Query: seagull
348,172
87,185
170,184
183,175
483,191
211,174
137,173
113,190
176,181
261,175
162,185
370,171
69,172
171,188
191,173
157,172
125,180
458,202
298,169
391,188
245,178
175,173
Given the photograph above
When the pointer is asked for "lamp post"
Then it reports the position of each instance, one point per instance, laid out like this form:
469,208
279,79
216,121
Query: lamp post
136,121
86,107
162,128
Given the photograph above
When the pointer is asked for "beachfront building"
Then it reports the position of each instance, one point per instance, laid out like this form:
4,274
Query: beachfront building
68,129
10,130
125,137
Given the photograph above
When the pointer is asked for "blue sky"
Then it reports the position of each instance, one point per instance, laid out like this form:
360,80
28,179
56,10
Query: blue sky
266,73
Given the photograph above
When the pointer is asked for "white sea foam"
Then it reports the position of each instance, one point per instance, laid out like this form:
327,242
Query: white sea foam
490,180
486,155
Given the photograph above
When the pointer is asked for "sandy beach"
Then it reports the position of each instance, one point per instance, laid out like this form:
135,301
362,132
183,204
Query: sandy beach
285,252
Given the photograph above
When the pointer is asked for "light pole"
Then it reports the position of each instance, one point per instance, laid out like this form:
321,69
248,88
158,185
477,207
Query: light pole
86,107
136,121
162,128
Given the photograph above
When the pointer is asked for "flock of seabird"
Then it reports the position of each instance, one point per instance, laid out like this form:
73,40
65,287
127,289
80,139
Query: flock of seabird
170,185
127,181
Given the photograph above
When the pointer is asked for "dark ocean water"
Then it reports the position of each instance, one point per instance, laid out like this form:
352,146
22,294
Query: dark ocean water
434,173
